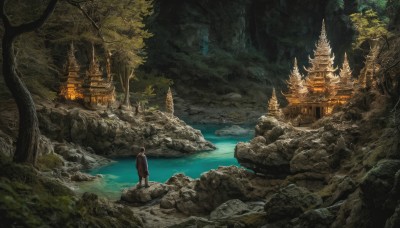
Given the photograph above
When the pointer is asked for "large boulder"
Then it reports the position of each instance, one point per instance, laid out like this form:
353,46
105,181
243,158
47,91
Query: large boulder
143,194
280,150
290,202
200,196
229,209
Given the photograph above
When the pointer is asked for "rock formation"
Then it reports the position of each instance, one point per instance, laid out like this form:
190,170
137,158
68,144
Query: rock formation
122,133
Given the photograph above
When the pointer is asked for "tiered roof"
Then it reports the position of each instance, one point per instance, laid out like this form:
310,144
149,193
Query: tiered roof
320,78
71,83
273,106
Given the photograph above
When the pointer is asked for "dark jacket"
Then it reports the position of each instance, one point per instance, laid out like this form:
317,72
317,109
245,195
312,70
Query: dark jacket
141,165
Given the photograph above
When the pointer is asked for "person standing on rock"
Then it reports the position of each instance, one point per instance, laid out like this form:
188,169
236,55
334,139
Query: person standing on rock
142,168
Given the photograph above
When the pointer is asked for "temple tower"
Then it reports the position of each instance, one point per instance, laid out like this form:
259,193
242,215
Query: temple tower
321,80
367,75
71,82
345,89
98,91
295,83
273,106
169,102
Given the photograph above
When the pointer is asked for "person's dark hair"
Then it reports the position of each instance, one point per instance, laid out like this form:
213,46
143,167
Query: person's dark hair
142,149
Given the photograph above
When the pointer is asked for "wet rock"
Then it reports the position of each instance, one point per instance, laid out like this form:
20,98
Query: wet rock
290,202
79,176
143,194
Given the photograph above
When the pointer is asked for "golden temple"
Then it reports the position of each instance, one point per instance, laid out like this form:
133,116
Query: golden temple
93,89
321,89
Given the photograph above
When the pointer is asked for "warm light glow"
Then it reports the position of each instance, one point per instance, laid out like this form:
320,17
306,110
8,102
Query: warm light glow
324,89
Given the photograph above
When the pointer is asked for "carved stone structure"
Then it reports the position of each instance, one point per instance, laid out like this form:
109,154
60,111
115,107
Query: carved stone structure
97,91
94,89
169,102
367,75
345,88
273,106
71,82
315,97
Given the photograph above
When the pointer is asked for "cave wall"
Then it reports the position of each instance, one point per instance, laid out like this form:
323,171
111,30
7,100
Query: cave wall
234,45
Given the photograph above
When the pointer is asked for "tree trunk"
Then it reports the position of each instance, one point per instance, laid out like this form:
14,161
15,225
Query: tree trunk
28,131
126,98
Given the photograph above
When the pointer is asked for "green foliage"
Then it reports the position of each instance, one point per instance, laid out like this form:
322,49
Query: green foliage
33,58
144,97
117,25
159,82
368,26
49,162
28,200
377,5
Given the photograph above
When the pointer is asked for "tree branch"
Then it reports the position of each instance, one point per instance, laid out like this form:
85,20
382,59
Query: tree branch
4,17
31,26
77,4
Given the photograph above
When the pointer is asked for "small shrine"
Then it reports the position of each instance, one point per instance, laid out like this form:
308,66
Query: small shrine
93,89
367,79
321,89
273,106
71,82
97,90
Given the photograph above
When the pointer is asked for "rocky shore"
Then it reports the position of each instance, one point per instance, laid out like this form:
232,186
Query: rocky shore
340,172
331,174
120,132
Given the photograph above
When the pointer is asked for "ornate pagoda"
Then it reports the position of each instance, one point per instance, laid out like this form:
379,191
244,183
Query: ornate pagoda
345,87
71,82
297,90
94,89
273,106
367,74
321,90
97,90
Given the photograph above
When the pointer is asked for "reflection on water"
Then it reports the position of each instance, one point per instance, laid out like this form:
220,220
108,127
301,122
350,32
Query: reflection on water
122,173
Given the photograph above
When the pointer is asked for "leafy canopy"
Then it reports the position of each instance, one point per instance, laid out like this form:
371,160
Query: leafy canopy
368,26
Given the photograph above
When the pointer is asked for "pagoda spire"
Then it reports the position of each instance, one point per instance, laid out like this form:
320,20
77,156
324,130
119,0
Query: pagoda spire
72,63
273,106
345,72
295,85
323,57
169,102
94,67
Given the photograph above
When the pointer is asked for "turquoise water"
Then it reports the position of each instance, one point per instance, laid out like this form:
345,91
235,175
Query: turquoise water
122,173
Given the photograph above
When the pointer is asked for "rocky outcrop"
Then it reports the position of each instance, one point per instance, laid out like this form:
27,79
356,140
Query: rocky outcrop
122,133
280,149
6,144
144,194
233,130
79,176
203,195
76,157
290,202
